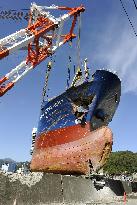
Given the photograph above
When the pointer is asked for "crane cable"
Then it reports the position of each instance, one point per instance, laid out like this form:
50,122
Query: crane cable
78,42
128,17
78,74
69,63
69,66
49,66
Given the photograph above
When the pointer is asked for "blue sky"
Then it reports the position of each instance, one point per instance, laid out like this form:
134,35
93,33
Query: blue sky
107,40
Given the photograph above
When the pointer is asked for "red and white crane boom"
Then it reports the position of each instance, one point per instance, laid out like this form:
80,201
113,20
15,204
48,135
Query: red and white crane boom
42,37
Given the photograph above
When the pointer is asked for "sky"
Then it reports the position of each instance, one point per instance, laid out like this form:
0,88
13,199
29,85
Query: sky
107,40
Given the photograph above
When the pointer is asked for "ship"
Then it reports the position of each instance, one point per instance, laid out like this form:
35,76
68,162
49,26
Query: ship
73,136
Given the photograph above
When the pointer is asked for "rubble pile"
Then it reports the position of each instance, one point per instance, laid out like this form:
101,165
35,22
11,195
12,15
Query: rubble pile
29,179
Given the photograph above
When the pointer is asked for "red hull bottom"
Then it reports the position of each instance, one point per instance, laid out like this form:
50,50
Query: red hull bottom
80,156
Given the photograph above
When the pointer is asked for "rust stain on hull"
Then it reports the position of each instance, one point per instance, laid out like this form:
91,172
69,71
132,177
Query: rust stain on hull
77,156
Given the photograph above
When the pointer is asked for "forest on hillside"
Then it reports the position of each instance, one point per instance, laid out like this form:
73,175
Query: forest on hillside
121,162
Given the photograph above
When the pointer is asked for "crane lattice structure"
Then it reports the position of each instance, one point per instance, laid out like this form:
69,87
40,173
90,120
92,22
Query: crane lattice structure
43,36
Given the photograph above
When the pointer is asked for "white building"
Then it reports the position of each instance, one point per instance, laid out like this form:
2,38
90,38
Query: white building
5,167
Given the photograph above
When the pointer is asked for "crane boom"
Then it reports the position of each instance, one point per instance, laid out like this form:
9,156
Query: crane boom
43,36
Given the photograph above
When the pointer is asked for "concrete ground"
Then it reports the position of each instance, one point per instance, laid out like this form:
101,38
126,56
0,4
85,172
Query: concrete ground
129,202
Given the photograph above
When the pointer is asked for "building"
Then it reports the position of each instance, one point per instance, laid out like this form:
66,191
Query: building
5,167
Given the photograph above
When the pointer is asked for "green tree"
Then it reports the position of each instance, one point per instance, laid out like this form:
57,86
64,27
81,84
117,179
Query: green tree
121,162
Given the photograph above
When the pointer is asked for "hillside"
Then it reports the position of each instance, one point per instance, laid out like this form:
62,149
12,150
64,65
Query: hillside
6,160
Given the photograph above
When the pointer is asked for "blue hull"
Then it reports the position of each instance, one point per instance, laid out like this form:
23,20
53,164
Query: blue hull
101,95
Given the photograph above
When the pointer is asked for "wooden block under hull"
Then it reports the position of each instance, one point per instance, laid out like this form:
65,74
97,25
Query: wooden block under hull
80,157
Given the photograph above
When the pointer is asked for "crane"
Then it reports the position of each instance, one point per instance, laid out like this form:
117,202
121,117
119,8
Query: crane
42,37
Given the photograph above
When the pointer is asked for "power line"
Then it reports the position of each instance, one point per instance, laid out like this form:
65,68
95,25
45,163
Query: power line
135,4
128,17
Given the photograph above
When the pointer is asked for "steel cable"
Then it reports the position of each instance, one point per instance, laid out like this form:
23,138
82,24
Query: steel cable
128,18
135,4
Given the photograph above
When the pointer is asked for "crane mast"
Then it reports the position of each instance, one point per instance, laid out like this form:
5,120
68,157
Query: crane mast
42,37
